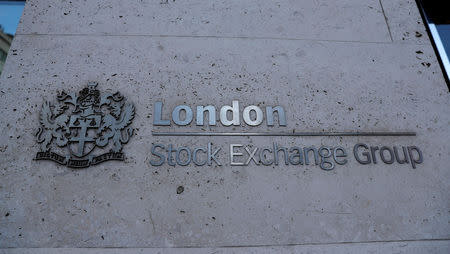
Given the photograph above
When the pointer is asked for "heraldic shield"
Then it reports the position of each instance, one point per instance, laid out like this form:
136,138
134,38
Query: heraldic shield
76,126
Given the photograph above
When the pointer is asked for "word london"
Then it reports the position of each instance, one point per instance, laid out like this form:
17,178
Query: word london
224,113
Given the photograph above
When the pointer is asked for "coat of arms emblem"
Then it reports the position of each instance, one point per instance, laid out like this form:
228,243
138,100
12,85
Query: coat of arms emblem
79,130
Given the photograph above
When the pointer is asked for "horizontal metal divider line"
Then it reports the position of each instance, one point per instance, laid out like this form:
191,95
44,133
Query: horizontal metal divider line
276,134
240,246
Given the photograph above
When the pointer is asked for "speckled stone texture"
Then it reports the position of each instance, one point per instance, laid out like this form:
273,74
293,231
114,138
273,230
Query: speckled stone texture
348,65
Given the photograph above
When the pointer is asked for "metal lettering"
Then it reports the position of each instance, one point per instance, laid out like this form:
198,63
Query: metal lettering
211,114
247,118
367,159
157,115
212,156
276,150
372,151
233,154
414,160
262,157
176,115
391,155
342,155
194,156
251,156
160,156
405,155
235,114
306,150
281,115
323,157
169,156
188,155
298,154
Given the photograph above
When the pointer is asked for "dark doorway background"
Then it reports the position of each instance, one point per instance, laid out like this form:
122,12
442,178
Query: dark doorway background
436,17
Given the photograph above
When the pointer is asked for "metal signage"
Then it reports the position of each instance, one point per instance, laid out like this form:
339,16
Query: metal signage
79,130
84,129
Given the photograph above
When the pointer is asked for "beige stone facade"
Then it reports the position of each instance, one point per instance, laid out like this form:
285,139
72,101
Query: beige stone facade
354,66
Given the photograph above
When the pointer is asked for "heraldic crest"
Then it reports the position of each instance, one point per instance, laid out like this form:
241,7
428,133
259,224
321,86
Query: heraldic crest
77,124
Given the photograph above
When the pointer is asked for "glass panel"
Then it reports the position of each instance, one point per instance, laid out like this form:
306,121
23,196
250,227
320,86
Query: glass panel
444,33
10,13
437,19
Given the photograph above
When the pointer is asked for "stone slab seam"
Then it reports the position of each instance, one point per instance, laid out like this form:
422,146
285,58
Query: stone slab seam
220,37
